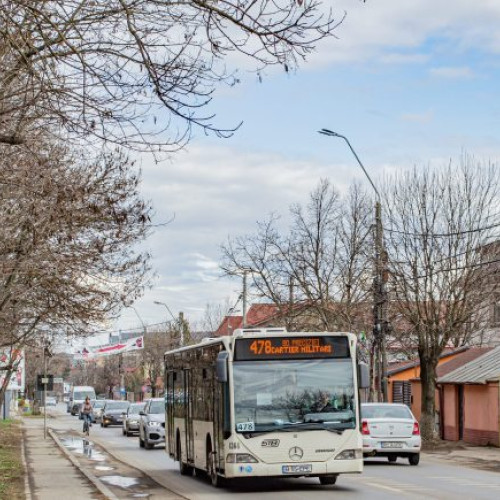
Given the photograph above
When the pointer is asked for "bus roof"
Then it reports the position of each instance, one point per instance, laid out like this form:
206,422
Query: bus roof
254,332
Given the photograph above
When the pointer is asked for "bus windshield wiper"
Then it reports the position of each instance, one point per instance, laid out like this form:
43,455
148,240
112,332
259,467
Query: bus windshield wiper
310,426
292,427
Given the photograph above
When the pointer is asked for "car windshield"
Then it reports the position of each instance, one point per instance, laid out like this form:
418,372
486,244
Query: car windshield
83,394
117,405
135,409
385,411
157,407
294,395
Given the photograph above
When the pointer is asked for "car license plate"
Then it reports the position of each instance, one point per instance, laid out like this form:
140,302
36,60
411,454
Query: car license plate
391,444
296,469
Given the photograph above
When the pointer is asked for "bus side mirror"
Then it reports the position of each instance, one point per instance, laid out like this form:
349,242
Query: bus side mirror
363,376
221,367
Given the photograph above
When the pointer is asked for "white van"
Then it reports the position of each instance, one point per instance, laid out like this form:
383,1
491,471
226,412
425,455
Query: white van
78,395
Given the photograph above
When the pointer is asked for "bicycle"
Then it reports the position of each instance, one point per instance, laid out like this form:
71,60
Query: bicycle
86,424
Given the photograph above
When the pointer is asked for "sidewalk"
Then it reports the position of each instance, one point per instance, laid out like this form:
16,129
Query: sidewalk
51,475
483,457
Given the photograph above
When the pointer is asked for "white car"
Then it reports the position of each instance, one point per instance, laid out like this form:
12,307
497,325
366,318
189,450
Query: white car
390,430
152,423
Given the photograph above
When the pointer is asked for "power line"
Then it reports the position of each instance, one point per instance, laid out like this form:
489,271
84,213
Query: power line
443,235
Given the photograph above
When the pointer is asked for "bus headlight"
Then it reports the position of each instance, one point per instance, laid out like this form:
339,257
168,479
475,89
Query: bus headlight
241,458
349,455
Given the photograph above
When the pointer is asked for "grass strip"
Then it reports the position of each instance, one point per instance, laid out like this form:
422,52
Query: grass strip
11,467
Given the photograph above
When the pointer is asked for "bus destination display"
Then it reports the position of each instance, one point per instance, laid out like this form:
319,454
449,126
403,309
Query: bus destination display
291,348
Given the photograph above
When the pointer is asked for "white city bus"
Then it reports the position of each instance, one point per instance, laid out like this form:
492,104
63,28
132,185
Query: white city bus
265,402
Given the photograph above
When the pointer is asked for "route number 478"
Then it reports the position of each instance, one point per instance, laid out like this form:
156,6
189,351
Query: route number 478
260,346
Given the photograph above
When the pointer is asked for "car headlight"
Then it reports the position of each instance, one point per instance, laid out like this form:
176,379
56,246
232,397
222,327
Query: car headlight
241,458
133,422
349,455
154,424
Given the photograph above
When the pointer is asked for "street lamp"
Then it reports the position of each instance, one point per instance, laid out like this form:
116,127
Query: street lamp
177,321
379,290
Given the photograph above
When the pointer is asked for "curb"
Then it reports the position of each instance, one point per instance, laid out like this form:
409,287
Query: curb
121,460
24,461
93,479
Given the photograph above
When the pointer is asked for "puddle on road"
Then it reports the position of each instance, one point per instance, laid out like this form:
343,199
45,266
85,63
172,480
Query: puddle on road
86,448
103,468
122,481
83,447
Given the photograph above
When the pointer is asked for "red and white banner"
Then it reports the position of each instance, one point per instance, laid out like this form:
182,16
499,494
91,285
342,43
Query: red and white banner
126,346
15,357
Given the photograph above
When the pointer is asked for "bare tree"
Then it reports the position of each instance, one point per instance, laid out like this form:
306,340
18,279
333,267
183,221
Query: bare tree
156,343
67,250
319,272
139,72
438,221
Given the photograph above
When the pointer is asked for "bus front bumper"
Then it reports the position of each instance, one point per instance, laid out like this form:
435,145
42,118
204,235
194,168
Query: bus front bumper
290,469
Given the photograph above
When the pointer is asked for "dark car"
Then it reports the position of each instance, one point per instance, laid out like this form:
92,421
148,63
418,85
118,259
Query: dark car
152,423
112,413
131,418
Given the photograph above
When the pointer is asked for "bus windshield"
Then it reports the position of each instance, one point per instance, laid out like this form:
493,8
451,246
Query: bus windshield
294,395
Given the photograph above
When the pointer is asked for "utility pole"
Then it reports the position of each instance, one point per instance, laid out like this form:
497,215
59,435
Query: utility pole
120,368
380,322
181,329
244,298
44,381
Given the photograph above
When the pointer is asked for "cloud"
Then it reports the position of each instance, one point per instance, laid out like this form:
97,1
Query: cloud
394,32
214,192
450,72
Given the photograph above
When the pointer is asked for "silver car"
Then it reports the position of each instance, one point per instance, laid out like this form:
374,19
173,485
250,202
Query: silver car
97,407
390,430
131,418
152,423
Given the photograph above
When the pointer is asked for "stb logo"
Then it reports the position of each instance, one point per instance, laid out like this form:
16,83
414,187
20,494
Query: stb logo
296,453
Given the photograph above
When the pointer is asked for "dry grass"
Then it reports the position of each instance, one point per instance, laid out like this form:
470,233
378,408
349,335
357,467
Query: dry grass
11,467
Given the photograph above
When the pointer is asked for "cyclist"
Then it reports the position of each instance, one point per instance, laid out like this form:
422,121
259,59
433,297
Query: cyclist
86,413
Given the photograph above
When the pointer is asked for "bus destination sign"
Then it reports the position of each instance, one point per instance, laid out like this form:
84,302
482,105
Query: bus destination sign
252,349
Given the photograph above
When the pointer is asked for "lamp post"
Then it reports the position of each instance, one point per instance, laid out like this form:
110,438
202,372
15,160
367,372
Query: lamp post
379,284
177,321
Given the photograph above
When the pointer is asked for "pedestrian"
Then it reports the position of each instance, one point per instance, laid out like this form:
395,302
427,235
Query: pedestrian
86,413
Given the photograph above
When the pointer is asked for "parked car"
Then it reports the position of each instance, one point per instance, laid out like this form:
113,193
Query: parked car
97,406
131,418
390,430
152,423
112,413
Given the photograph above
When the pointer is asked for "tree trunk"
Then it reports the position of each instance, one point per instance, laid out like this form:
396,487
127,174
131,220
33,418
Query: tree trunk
428,407
3,388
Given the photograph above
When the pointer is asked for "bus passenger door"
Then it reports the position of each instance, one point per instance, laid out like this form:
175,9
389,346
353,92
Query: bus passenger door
170,395
188,421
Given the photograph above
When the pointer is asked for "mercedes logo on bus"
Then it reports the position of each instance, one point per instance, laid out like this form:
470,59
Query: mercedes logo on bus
296,453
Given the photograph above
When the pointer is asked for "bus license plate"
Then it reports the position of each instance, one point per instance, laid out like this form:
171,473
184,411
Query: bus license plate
296,469
391,444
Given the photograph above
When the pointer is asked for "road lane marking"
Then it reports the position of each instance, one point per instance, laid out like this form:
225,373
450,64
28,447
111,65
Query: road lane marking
384,487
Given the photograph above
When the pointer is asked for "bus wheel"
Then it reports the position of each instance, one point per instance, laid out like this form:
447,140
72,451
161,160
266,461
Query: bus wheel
216,480
184,469
328,480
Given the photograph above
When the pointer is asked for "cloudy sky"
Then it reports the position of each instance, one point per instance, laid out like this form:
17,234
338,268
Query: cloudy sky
409,83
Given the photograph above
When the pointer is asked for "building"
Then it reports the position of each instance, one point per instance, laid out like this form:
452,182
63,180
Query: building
470,401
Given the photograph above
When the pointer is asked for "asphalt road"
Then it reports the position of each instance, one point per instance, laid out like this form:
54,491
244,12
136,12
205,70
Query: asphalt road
433,478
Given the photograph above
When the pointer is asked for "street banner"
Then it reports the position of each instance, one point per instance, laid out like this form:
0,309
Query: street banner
88,353
8,357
